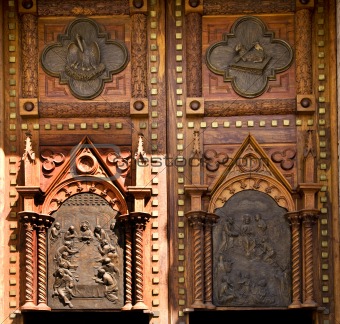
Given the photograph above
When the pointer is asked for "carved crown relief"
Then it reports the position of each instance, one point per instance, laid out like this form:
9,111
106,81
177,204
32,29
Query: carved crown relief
249,56
84,58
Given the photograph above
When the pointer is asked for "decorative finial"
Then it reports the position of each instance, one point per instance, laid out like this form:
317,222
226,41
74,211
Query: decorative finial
140,154
29,153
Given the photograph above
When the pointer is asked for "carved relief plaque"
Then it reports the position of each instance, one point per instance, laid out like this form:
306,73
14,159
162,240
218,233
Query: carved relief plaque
249,56
251,253
85,256
84,58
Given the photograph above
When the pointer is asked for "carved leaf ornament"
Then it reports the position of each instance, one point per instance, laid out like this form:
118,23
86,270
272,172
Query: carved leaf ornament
249,56
84,58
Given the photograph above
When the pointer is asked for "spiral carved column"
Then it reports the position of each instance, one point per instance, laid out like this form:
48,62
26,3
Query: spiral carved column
139,219
210,220
128,262
29,265
44,222
294,219
196,219
309,218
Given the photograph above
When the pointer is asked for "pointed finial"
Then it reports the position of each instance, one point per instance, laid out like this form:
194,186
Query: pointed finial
28,153
140,154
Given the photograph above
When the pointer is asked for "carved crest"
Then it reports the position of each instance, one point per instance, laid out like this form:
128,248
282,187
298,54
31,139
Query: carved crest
249,56
84,58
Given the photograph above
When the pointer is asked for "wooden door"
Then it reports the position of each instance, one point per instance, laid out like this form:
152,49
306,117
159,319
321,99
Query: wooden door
209,124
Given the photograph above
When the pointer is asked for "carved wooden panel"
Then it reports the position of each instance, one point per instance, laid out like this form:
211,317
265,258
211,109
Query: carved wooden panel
85,255
117,30
218,29
251,252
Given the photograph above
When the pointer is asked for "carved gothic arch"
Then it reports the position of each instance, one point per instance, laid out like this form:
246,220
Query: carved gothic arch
90,184
258,182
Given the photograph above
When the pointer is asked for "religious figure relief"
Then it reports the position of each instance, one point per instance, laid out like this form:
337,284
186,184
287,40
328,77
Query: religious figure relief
55,232
86,264
84,58
251,252
249,56
86,233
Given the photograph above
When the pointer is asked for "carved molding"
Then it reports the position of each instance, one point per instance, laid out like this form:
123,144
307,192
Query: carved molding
91,184
249,108
84,58
222,7
303,27
29,52
249,56
259,182
139,56
88,8
194,55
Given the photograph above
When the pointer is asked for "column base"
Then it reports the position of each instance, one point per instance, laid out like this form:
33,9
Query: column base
310,304
198,304
126,307
43,307
139,305
295,304
209,305
28,306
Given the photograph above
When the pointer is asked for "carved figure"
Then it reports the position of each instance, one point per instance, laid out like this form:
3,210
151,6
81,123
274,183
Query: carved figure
228,234
67,247
105,247
247,235
83,60
225,293
86,233
109,267
55,232
110,282
62,287
100,234
254,54
71,234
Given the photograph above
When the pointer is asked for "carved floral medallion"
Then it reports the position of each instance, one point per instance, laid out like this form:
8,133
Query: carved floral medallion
249,56
84,58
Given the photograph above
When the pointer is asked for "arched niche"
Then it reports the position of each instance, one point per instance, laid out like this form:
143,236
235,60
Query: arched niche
85,255
251,252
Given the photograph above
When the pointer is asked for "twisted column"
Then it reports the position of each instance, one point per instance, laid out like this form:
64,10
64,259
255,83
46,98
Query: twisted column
210,220
29,265
45,221
196,219
308,219
294,220
139,219
128,262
